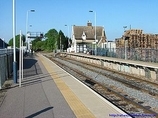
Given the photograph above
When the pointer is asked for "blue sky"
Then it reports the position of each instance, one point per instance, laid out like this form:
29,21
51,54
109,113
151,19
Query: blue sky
112,14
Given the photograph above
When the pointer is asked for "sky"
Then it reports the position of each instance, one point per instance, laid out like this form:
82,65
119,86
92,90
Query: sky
55,14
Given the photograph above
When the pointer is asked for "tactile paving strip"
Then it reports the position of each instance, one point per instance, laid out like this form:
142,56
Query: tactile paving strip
75,104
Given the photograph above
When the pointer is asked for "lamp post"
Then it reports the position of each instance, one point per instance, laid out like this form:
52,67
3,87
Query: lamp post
95,32
20,61
125,43
27,18
68,34
67,30
60,43
14,48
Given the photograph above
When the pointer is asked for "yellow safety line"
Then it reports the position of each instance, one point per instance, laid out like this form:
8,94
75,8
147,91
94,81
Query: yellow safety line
79,109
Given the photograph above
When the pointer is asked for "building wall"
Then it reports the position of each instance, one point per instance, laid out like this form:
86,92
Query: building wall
3,44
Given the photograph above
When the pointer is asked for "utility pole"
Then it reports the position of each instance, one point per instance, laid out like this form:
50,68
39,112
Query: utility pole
125,42
60,43
95,35
20,62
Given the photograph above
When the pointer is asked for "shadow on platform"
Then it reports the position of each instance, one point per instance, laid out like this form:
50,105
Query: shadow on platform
36,79
28,63
31,67
39,112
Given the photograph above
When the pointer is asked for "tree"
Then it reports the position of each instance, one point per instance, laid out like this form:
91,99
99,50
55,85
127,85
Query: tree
17,40
39,45
62,41
66,42
43,46
34,44
51,39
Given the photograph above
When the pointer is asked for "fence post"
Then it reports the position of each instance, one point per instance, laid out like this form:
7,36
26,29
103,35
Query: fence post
147,73
6,66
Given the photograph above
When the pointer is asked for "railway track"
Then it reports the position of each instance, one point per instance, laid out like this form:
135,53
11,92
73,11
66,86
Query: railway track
113,94
131,81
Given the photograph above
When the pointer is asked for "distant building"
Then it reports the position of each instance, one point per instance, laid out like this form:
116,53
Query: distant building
3,44
109,44
83,37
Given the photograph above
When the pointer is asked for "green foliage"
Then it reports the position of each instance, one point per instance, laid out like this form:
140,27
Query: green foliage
51,39
37,44
62,41
66,43
17,41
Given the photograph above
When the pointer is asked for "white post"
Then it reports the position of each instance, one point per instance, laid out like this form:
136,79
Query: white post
20,62
95,36
14,32
22,59
27,17
68,35
125,43
26,29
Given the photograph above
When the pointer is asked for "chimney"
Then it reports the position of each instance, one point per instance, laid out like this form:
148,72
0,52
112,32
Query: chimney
89,23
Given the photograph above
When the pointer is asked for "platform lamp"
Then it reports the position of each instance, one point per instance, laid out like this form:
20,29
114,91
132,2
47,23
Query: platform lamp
95,32
68,34
14,48
27,18
125,42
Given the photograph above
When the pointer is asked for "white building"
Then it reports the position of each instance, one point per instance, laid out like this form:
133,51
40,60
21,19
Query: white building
83,37
111,45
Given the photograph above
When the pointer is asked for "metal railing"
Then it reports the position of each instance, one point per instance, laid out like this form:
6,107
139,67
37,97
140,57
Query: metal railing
138,54
6,51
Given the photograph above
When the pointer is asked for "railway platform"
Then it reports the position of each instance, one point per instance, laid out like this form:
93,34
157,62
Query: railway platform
146,70
49,92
